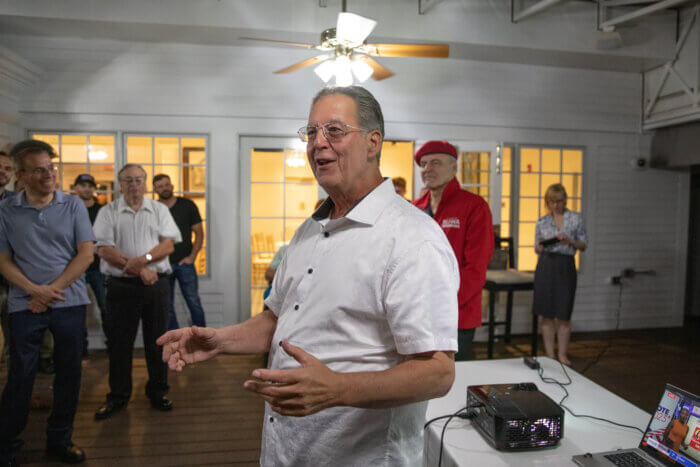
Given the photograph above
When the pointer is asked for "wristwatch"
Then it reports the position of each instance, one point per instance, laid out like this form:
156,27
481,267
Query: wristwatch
149,257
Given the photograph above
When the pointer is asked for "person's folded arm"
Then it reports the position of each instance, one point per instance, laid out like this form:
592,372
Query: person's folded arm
112,255
77,266
12,273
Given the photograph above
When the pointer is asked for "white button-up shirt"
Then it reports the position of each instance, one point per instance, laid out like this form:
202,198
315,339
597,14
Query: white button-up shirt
135,233
360,293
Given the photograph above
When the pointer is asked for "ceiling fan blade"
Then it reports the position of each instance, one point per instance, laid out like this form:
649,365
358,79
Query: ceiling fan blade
353,29
295,44
380,71
409,50
305,63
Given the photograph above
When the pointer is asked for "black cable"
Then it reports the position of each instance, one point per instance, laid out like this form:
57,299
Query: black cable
608,344
449,419
549,380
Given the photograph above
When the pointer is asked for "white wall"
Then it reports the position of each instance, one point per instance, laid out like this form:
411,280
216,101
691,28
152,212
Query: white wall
635,219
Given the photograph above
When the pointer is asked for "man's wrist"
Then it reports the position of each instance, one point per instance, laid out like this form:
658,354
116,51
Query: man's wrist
147,258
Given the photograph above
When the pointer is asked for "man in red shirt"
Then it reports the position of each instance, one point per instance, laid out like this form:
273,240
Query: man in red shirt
466,220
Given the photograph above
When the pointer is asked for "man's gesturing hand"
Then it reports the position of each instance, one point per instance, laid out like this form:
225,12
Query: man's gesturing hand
300,391
189,345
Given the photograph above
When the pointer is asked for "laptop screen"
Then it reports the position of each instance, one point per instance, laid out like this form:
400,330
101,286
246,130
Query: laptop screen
673,434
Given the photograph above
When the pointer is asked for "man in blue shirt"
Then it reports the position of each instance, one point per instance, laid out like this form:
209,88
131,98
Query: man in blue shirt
6,171
46,244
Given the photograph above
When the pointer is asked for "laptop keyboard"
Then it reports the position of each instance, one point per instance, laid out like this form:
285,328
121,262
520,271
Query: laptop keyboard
628,459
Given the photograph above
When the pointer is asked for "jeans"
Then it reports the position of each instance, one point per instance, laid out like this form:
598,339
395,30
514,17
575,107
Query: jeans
128,301
26,331
96,280
186,275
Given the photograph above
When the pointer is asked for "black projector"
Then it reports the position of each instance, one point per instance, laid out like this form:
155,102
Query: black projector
515,416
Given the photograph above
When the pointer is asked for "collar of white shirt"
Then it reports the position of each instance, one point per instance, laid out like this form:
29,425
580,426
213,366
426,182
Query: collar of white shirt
367,209
145,204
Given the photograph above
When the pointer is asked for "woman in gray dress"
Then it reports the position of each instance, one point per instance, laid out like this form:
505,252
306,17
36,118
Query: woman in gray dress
563,233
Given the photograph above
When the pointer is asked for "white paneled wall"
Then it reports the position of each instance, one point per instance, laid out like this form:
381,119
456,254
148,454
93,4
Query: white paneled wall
634,218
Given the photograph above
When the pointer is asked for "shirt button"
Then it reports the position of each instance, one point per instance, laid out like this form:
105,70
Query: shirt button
326,234
310,271
296,307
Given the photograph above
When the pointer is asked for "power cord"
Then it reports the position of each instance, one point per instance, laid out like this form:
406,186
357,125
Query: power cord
549,380
608,344
459,414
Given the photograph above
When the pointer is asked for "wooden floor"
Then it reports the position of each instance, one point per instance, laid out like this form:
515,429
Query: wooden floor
216,422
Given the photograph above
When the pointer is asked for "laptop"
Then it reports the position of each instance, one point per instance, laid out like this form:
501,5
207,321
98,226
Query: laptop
663,443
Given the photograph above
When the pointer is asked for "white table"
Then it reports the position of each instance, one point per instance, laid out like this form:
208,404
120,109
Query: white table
464,446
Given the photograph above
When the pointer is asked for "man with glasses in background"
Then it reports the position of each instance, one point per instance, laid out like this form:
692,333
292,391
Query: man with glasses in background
135,234
362,318
46,244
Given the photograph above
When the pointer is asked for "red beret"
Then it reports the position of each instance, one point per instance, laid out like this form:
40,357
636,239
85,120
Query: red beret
435,147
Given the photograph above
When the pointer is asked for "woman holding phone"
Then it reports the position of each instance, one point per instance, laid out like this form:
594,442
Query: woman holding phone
557,237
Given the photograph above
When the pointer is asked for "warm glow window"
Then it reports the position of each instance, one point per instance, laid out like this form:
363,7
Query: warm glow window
184,160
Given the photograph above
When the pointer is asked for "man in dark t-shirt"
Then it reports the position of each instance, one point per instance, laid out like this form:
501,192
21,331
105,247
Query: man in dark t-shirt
84,187
188,220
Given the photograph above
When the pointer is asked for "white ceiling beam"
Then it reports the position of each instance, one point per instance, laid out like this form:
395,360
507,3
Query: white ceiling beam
642,12
610,3
533,9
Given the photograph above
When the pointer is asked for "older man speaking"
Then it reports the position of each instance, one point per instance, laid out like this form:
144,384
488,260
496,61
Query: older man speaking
362,318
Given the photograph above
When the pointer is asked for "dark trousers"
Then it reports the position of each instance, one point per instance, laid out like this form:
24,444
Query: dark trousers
128,301
465,340
96,280
186,275
26,332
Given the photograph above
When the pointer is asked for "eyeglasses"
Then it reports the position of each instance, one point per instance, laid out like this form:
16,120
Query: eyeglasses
41,171
136,180
332,131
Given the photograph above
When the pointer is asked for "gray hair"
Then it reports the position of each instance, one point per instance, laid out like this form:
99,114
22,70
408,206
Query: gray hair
129,166
369,112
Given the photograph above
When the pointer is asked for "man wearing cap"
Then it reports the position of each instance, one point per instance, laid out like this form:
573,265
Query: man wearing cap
84,187
46,244
466,220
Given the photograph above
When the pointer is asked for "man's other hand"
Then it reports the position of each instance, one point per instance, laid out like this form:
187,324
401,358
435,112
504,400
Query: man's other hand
301,391
35,306
189,345
186,260
148,277
47,295
134,266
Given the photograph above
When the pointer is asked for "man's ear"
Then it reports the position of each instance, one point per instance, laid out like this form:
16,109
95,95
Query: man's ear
374,143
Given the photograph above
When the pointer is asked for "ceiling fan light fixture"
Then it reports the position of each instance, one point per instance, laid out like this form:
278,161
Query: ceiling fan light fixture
353,29
361,69
326,70
343,71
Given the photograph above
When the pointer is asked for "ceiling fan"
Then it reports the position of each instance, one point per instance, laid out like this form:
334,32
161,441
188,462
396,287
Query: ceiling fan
346,53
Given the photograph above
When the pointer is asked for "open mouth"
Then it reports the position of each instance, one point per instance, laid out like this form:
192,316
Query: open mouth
322,162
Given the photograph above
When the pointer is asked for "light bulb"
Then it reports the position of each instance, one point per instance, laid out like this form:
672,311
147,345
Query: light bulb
97,155
325,70
361,69
343,73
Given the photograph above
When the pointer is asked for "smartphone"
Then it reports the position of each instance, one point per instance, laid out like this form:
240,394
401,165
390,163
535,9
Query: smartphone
549,241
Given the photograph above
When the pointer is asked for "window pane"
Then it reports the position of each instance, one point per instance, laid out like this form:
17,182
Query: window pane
529,184
74,148
166,151
70,173
397,161
484,160
529,160
193,150
139,150
256,300
266,235
506,159
194,179
200,263
104,176
300,200
258,266
574,204
266,166
551,160
529,209
297,168
484,192
572,160
572,184
149,177
527,258
266,200
49,139
172,171
291,226
505,229
505,184
101,149
477,178
505,209
547,180
526,233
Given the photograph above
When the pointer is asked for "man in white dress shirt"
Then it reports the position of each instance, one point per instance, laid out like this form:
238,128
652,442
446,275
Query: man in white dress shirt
135,235
362,319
